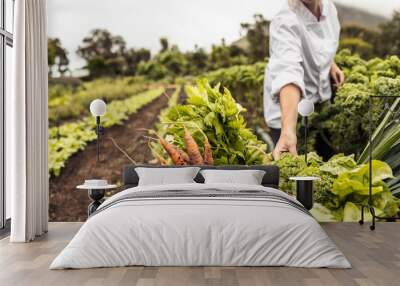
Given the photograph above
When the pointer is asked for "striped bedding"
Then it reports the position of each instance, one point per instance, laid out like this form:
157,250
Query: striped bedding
201,225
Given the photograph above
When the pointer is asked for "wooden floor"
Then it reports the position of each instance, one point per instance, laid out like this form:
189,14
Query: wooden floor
375,257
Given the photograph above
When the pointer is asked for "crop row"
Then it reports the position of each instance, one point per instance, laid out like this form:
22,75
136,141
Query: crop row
67,101
69,138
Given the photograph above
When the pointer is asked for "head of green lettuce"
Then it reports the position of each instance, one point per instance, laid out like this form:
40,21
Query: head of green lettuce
351,190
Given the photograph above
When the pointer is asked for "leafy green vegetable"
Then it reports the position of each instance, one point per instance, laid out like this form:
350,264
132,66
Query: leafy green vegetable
338,164
353,187
323,214
217,114
289,166
343,187
386,143
345,123
352,212
246,84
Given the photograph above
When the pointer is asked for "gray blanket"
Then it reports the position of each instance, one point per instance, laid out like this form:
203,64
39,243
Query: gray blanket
206,194
201,225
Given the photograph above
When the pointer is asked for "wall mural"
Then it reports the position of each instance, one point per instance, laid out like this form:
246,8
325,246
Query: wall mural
204,106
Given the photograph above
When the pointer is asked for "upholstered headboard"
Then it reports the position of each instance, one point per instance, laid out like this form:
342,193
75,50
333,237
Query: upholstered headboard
271,178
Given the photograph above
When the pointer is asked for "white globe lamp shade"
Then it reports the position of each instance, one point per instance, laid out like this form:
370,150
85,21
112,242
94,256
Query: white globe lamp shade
305,107
98,107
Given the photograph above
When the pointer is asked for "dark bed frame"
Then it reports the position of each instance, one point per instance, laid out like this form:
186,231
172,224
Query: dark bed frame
271,178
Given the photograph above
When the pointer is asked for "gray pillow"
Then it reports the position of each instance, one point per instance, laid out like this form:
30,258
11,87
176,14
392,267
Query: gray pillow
166,176
247,177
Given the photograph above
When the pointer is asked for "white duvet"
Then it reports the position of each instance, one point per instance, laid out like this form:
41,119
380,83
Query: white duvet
200,232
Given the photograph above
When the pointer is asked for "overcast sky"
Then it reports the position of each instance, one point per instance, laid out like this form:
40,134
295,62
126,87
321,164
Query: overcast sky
183,22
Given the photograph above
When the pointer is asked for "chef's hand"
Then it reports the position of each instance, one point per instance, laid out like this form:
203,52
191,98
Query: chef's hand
287,143
337,75
289,97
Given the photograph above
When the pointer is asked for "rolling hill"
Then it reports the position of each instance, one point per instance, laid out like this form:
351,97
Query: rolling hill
354,16
347,15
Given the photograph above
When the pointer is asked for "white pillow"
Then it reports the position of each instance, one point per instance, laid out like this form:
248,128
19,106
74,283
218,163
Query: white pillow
248,177
166,176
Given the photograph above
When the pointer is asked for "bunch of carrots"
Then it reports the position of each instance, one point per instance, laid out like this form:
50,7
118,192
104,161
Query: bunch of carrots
192,155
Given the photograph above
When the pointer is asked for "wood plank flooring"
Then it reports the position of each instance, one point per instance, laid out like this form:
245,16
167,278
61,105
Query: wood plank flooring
375,257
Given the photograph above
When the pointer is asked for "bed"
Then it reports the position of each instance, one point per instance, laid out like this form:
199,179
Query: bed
201,224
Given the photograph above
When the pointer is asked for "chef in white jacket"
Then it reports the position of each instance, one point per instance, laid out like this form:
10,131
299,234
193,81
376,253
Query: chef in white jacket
304,38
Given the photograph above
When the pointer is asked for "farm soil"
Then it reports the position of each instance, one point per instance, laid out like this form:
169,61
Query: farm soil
69,204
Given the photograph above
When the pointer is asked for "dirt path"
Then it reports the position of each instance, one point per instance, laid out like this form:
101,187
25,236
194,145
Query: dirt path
69,204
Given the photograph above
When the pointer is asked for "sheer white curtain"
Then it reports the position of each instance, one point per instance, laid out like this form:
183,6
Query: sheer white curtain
27,123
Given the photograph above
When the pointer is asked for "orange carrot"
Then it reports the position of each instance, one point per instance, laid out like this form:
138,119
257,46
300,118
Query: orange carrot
193,149
184,155
175,154
208,158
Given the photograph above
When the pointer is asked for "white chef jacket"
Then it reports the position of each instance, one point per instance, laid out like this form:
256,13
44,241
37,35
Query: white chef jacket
302,50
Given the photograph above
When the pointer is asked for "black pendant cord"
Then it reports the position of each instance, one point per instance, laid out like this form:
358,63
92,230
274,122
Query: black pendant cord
98,148
369,205
305,138
99,132
98,138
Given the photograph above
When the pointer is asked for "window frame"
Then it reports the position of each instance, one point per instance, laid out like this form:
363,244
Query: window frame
6,39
